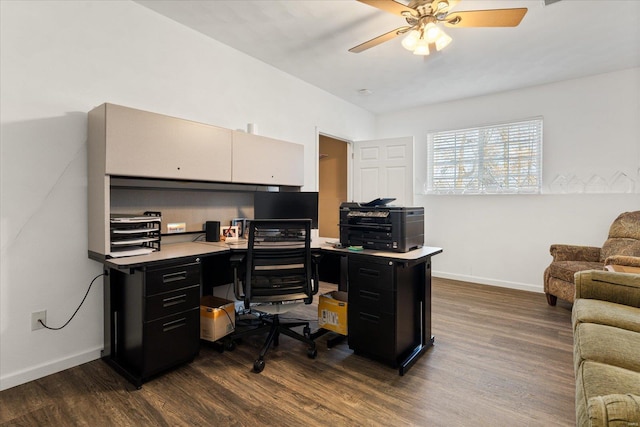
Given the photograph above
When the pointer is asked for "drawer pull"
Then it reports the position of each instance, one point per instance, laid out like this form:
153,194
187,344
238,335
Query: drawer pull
369,272
172,277
178,299
174,324
369,318
375,296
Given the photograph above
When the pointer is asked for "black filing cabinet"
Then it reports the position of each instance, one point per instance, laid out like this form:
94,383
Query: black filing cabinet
385,303
152,318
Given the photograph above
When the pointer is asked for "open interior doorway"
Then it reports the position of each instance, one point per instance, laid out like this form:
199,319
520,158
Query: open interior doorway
333,184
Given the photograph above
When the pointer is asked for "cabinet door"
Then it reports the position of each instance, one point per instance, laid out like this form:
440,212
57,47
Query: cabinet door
140,143
261,160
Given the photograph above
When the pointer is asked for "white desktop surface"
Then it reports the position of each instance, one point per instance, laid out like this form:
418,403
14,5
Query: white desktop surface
412,255
168,252
327,243
202,248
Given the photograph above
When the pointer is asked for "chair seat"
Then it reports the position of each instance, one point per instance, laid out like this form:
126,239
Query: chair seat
564,270
276,308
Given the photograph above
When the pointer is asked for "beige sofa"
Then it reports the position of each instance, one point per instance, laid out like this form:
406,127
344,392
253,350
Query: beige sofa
606,331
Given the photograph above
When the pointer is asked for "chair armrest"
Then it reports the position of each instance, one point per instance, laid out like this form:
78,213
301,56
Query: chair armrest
315,261
574,253
237,262
620,288
614,409
630,261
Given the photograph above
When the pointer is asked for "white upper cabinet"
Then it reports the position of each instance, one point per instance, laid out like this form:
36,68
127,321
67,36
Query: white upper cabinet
143,144
261,160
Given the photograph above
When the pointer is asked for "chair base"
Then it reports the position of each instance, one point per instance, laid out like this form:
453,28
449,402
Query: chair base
551,299
274,327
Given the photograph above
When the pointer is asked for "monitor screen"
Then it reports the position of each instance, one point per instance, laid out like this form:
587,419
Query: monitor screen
286,205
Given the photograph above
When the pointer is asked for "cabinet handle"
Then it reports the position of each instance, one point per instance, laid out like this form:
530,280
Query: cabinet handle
369,295
178,299
174,324
172,277
369,318
369,272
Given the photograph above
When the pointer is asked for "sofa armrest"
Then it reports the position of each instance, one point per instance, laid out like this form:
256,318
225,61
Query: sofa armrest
630,261
574,253
620,288
614,410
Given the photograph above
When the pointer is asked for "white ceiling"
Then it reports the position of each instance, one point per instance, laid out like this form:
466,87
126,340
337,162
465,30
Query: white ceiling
309,39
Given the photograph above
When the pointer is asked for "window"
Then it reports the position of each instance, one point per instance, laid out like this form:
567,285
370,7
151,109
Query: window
495,159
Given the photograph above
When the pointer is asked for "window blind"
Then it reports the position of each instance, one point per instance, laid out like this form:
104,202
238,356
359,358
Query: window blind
504,158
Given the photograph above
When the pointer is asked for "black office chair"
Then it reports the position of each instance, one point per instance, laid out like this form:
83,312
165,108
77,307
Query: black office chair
277,274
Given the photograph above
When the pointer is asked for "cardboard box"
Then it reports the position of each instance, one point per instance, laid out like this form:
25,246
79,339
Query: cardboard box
332,312
217,317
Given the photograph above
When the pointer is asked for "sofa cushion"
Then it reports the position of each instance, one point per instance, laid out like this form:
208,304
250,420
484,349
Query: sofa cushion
606,344
598,379
615,410
564,270
605,313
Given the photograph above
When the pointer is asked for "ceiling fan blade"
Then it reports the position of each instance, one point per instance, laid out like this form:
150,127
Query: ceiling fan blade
486,18
379,40
390,6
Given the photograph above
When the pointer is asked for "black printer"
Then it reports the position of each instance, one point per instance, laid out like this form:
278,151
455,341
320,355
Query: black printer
374,225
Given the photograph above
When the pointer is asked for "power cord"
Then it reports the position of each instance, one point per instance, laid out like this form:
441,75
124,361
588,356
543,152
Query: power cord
75,312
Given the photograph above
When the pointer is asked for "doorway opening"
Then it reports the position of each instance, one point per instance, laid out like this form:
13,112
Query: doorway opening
333,184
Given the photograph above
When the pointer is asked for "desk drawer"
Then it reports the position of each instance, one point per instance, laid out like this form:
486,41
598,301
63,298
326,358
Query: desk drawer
380,336
170,341
368,274
171,278
372,300
168,303
372,333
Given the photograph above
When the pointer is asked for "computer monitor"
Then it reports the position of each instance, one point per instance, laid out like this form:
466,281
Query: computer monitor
286,205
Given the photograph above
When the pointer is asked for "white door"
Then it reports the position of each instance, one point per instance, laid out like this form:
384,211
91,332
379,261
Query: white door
383,168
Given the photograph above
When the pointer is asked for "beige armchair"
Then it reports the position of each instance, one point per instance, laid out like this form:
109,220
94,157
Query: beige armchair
622,247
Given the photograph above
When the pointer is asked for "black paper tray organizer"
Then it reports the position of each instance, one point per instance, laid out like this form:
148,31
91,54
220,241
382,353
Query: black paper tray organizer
135,234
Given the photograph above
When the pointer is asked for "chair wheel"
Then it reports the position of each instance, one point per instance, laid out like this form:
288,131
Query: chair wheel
229,345
258,366
312,353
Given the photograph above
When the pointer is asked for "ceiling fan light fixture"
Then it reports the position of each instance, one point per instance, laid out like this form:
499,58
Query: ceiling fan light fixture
443,41
422,48
411,40
432,32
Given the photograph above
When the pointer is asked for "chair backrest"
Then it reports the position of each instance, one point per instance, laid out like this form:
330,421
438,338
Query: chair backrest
624,236
278,262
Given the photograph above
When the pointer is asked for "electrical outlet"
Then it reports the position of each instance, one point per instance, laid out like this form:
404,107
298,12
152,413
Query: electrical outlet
38,315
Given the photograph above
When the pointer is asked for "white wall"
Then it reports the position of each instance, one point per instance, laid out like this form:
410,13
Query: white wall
60,59
591,127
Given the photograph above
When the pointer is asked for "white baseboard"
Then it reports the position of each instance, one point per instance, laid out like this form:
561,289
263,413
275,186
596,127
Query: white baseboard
51,367
491,282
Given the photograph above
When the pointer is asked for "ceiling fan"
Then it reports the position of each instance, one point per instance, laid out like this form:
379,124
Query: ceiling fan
423,15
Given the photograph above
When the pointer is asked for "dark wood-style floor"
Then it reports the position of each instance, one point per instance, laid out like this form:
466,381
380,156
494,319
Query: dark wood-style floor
501,358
